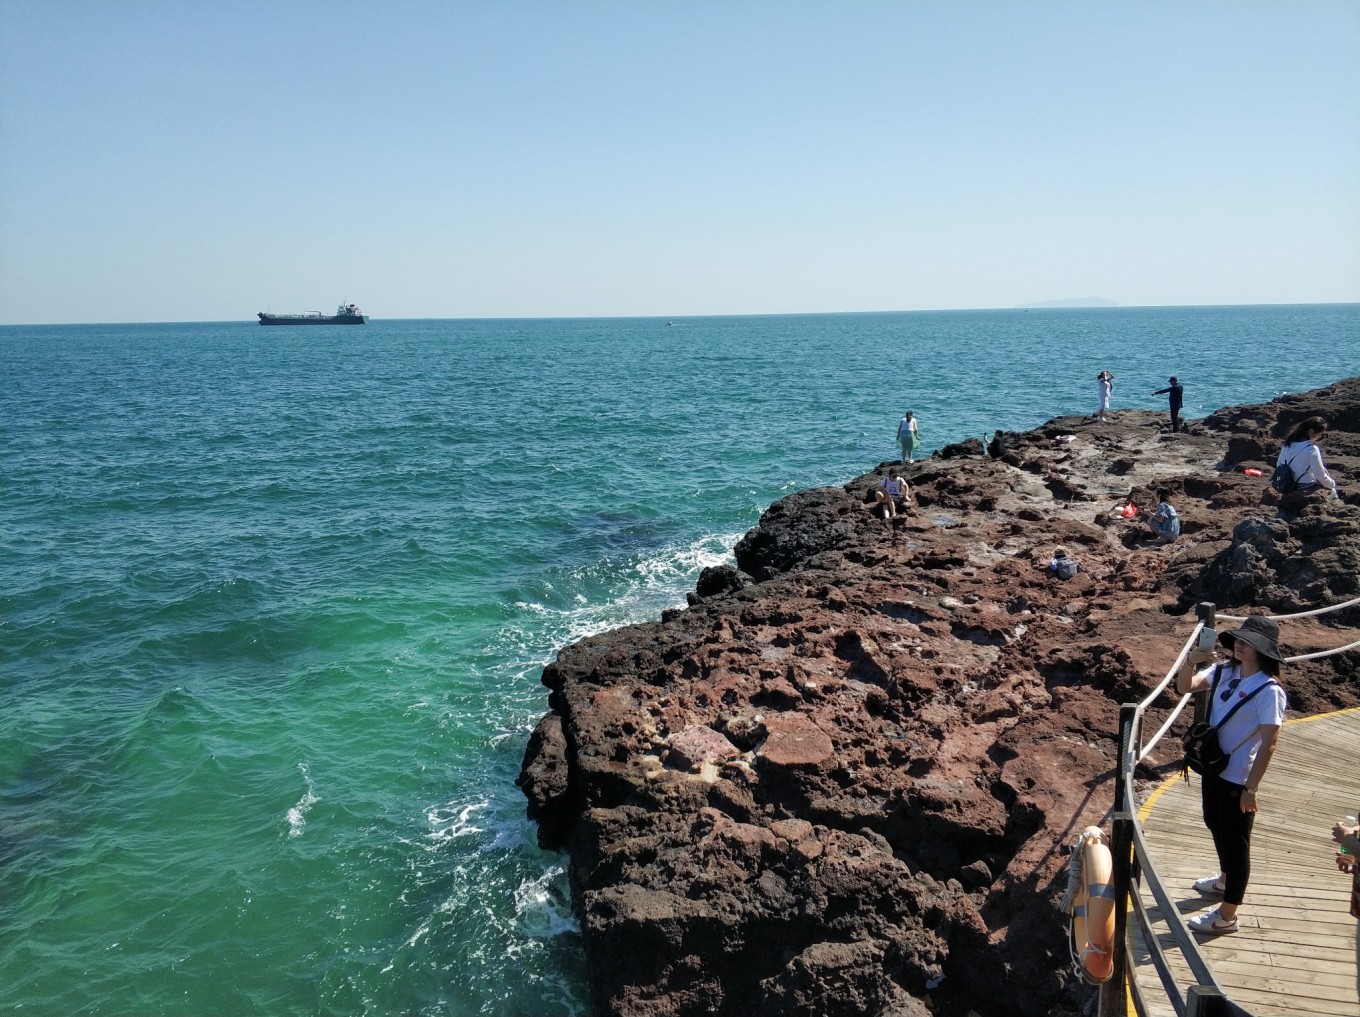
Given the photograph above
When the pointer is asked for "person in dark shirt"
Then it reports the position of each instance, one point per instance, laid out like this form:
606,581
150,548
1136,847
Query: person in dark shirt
1174,393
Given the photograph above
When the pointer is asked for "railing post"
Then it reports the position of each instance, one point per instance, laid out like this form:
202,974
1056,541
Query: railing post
1206,1001
1114,993
1128,752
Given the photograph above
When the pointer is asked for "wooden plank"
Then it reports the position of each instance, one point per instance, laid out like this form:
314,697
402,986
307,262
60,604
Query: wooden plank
1295,952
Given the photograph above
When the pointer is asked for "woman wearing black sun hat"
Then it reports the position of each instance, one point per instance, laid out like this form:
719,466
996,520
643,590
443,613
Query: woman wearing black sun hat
1246,686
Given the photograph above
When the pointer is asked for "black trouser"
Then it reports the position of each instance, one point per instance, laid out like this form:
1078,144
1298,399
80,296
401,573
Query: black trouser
1175,418
1231,829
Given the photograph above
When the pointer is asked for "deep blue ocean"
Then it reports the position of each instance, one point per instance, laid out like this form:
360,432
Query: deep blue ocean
275,602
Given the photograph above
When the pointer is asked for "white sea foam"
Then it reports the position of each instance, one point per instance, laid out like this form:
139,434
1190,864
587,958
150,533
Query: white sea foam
616,592
451,822
297,815
543,905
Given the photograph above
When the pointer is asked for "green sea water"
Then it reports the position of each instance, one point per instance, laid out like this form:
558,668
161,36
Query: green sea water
275,603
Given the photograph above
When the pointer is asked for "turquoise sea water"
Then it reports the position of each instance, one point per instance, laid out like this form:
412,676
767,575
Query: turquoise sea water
275,603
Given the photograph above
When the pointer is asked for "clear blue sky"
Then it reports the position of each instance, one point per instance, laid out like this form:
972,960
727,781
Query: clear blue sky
166,161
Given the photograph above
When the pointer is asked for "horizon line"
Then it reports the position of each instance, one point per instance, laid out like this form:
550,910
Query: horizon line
1048,306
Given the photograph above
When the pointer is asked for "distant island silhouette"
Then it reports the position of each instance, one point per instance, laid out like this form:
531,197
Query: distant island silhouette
1076,302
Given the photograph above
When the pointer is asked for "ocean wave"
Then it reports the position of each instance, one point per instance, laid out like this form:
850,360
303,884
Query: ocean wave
543,905
583,601
448,824
297,815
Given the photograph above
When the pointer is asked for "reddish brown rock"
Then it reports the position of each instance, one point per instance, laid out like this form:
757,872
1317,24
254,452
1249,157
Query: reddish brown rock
846,789
794,741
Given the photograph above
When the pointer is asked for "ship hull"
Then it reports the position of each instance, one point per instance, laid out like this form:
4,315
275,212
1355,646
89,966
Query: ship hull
312,319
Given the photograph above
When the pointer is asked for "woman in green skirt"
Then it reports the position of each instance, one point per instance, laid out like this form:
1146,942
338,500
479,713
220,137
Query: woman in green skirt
908,436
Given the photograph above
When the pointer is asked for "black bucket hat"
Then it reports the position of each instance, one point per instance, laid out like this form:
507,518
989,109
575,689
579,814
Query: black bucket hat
1258,632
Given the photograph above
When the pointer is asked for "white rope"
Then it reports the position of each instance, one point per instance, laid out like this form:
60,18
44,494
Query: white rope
1323,653
1152,742
1301,614
1171,675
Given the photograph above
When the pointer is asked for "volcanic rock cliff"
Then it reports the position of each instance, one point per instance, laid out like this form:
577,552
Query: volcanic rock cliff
841,782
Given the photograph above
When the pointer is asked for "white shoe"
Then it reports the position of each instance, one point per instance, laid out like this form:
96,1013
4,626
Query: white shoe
1211,886
1211,924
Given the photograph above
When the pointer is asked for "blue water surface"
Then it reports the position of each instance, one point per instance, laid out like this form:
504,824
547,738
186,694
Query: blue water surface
275,603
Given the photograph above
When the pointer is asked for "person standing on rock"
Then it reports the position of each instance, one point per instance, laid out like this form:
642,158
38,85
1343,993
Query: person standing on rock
1174,393
908,436
1104,389
1247,703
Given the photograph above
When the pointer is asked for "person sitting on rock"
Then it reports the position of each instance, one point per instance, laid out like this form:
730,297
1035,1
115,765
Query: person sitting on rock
1060,566
1164,520
894,491
1304,456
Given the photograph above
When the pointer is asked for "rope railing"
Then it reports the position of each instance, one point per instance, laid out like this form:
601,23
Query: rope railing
1134,867
1301,614
1323,653
1151,743
1192,641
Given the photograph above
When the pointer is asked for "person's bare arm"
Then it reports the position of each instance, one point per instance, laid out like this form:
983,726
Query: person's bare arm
1270,738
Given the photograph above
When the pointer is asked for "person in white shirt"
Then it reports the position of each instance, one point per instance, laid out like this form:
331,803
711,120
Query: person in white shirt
1249,735
908,436
1304,457
1104,389
892,491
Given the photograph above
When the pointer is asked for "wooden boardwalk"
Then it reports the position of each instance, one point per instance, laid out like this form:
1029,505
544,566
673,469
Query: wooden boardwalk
1295,952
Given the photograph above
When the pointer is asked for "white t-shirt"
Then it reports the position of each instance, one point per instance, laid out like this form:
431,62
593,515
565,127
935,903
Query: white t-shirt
1242,735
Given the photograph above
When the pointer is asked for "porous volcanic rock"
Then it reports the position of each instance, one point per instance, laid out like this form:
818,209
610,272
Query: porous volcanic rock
846,788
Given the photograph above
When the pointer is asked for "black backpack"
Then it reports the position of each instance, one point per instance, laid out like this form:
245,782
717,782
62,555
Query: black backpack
1283,479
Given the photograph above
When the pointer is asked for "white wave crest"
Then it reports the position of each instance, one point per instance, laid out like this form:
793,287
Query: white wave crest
451,822
297,815
543,905
611,593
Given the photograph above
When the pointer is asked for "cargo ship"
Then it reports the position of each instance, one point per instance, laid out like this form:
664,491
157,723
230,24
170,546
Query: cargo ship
345,314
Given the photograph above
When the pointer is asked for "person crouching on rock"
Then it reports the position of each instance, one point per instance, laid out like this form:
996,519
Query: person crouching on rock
1249,733
894,491
1164,521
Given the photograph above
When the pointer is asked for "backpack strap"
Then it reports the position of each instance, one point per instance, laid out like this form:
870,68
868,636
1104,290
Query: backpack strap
1213,685
1241,703
1290,463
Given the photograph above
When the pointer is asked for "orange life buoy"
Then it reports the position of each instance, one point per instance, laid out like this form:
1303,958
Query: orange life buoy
1093,915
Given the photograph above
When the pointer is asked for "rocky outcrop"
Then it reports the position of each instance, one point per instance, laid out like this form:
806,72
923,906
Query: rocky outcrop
842,780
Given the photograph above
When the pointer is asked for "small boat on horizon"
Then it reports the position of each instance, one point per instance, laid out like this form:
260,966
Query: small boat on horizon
345,314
